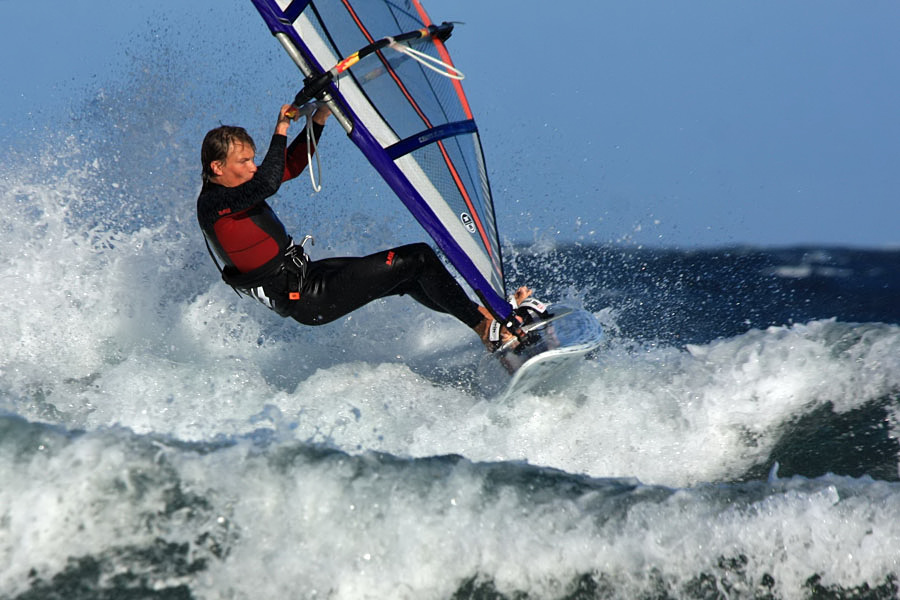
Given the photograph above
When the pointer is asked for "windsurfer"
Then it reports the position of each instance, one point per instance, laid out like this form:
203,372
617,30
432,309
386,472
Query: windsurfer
261,260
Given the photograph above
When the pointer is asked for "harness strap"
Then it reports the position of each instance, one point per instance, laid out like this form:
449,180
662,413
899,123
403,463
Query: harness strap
292,264
216,262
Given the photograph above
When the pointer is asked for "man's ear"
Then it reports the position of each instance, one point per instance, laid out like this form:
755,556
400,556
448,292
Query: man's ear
216,167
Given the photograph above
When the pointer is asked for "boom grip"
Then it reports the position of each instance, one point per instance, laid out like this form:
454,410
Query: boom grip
312,88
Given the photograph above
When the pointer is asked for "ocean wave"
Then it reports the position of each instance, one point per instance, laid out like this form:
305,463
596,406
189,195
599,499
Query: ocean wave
99,513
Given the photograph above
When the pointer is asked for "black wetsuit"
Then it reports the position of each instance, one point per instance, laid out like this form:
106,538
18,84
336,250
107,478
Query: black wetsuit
259,258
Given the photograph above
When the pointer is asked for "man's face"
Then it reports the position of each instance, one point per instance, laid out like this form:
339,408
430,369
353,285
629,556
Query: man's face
238,166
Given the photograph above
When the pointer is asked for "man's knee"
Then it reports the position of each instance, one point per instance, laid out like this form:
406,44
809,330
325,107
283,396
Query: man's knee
417,256
419,249
424,253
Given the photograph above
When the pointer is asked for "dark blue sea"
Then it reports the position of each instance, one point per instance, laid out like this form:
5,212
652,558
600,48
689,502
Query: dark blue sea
735,437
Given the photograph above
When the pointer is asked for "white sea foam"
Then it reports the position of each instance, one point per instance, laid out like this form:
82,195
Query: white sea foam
290,520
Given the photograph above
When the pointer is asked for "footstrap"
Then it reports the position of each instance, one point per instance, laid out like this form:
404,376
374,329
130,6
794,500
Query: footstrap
529,310
534,304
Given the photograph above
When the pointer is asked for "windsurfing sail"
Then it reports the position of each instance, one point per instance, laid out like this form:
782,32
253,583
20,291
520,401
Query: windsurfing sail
408,116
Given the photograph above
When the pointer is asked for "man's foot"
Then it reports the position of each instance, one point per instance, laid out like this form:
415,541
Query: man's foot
522,293
527,308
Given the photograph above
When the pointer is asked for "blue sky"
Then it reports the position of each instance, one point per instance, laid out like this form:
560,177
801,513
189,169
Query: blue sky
695,124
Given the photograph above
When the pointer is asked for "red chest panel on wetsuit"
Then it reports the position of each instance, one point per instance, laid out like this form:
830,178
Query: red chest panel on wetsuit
251,238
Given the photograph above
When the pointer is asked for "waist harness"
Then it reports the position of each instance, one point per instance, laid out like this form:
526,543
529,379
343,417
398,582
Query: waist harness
276,284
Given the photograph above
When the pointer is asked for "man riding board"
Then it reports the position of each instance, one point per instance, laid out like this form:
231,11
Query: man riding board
261,260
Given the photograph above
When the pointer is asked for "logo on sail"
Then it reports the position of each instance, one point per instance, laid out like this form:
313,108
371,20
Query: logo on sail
468,222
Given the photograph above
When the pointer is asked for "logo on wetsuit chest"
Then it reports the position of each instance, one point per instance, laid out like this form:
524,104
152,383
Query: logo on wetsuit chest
390,258
468,222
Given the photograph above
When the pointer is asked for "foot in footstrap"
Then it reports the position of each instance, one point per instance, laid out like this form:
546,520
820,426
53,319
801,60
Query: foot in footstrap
526,307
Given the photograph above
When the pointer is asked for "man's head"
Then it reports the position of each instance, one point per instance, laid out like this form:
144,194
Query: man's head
227,155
